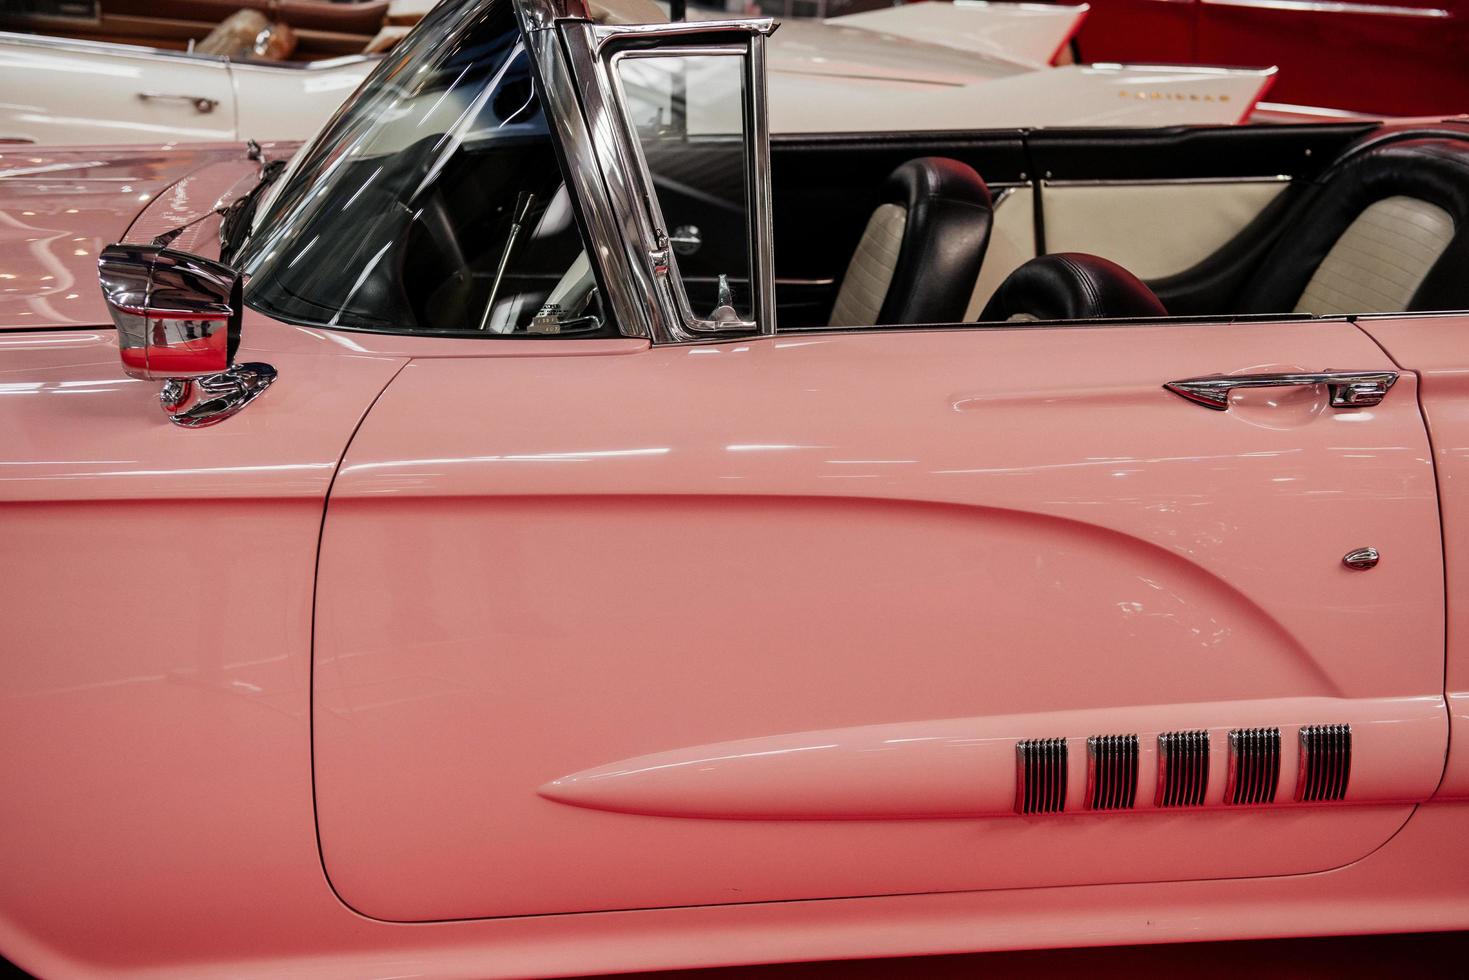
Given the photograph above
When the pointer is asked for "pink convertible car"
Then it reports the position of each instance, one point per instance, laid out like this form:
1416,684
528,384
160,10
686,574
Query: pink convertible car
582,533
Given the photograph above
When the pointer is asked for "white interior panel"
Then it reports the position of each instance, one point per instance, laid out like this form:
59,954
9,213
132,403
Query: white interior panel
1152,230
1012,243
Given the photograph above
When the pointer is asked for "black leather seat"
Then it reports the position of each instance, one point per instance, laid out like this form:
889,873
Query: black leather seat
1071,286
1385,230
921,251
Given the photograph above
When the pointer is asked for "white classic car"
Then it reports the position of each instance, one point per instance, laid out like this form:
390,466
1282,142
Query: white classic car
962,65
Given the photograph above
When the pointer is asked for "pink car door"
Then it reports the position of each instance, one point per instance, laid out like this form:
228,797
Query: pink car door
612,624
768,620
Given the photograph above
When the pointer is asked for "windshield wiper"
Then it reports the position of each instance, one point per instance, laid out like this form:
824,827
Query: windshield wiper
240,214
237,215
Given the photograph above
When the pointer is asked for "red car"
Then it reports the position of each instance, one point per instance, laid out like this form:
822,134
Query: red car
1400,57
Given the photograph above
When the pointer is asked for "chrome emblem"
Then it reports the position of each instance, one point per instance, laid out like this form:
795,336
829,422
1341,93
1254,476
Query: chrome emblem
1128,93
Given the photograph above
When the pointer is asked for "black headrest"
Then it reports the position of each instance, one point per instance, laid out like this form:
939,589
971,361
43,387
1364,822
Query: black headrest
944,240
1071,286
1434,170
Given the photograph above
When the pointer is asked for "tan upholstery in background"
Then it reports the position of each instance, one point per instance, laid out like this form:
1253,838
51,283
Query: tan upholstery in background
1380,260
1152,230
865,285
249,34
362,17
1012,244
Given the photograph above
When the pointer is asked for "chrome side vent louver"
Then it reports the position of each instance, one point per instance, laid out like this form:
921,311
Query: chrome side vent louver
1183,768
1040,775
1254,765
1326,763
1111,772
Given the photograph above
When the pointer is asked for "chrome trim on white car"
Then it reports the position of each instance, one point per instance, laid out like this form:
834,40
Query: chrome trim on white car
132,50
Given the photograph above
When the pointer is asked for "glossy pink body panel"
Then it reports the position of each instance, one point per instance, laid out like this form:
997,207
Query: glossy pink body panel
1017,530
159,806
518,657
60,207
1435,347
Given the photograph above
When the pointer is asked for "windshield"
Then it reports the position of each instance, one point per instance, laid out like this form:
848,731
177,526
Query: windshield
433,202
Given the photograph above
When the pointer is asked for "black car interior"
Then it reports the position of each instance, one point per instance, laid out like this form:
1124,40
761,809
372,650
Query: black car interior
1072,286
1388,208
921,250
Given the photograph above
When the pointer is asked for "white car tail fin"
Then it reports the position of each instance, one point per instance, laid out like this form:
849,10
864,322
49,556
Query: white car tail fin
1029,34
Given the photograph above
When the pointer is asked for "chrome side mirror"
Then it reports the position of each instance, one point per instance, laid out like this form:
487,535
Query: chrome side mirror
178,321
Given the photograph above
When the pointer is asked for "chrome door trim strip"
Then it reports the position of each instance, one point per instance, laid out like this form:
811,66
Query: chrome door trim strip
325,64
101,47
1335,7
1408,315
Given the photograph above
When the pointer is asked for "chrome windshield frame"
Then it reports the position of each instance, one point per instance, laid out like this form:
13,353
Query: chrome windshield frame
606,171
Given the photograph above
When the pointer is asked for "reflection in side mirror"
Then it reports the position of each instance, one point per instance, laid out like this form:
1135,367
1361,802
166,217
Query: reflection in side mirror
178,321
177,315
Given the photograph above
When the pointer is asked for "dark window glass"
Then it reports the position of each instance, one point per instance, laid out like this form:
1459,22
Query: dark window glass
433,202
